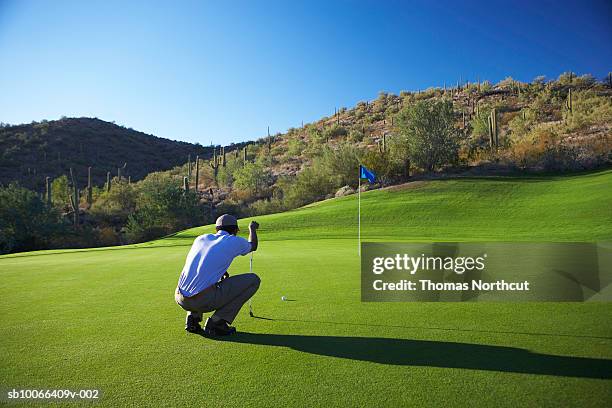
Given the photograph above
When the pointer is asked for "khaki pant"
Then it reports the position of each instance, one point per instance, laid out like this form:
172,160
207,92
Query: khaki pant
225,297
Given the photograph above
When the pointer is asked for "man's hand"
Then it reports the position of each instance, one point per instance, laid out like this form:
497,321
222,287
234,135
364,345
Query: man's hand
253,235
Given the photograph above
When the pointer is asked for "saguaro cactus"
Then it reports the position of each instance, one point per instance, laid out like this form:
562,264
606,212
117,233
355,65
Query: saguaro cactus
186,183
382,144
214,164
108,181
492,121
569,103
269,141
244,154
197,174
74,199
48,189
89,187
223,159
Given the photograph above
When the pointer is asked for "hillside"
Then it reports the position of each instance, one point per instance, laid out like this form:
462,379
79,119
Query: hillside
324,338
31,152
560,125
521,108
511,128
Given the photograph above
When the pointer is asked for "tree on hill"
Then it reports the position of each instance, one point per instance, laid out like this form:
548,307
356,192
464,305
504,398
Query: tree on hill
429,133
163,207
26,222
252,177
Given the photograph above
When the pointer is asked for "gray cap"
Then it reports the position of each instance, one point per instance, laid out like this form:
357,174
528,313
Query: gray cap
226,220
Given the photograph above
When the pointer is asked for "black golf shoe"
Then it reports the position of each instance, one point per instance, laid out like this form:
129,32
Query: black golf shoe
192,324
219,328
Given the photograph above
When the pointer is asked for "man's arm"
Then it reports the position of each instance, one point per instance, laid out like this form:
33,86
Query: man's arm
253,235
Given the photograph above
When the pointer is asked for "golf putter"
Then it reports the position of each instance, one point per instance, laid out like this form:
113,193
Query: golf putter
251,299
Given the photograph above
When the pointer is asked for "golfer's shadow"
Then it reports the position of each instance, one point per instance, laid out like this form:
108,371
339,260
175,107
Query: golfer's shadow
434,354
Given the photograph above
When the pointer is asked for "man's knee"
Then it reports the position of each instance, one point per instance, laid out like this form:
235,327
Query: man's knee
254,280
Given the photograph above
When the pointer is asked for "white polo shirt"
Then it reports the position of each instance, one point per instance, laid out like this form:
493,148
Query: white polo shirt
209,258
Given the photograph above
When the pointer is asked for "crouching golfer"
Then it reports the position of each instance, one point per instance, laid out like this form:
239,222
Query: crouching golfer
205,285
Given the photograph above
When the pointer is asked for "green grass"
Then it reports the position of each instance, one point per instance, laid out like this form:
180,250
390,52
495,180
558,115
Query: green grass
106,318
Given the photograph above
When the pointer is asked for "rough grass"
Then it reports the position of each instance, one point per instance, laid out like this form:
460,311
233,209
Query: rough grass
106,318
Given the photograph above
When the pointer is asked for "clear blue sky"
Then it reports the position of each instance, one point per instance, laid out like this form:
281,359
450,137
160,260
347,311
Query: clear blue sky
207,71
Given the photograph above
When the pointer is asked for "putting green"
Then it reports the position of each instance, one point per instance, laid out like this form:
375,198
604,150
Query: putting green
105,318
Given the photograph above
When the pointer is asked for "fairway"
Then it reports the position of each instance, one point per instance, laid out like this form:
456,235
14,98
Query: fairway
105,318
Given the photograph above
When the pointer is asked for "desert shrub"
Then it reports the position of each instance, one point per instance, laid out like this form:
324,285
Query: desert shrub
520,125
341,164
355,135
429,131
486,86
278,149
295,147
107,236
225,174
315,134
231,206
566,78
26,222
546,149
507,83
334,132
163,207
266,206
381,164
60,192
253,177
589,109
310,185
115,206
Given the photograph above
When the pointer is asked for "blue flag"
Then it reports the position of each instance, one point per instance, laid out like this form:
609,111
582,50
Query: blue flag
365,173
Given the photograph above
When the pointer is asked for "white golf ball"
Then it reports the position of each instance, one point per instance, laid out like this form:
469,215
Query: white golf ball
283,298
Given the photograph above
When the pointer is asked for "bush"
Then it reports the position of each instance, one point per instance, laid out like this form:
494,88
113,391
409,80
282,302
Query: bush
26,222
266,206
519,127
334,132
295,147
252,177
60,192
312,184
429,130
340,165
162,208
112,208
589,109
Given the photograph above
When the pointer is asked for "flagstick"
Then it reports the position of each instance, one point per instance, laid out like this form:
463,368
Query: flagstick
359,215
